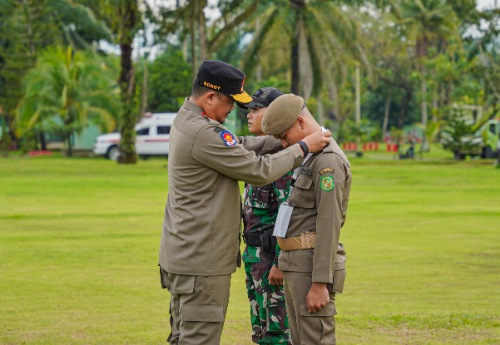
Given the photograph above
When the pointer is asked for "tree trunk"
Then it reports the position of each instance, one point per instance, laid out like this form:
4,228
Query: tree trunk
404,108
333,93
421,53
144,91
386,116
194,63
70,146
128,13
321,109
43,142
295,84
425,145
434,104
202,30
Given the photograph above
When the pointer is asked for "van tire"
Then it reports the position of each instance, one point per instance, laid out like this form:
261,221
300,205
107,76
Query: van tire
113,153
487,152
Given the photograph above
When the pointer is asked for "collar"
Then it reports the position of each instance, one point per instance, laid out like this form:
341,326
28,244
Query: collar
194,108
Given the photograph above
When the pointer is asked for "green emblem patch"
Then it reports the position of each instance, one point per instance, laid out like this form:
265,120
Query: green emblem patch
326,183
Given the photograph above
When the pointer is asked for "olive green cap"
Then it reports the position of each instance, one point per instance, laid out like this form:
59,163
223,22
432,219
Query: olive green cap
282,114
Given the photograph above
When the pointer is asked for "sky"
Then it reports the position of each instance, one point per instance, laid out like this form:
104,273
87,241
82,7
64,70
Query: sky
486,4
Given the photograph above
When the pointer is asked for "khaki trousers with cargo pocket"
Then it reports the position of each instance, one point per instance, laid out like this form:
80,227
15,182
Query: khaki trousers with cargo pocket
308,328
198,306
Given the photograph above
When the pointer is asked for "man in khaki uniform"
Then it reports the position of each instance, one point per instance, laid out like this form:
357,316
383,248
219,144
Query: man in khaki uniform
312,259
200,241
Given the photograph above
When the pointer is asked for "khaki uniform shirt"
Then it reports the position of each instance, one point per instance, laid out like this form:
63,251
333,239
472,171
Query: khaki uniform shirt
320,197
203,212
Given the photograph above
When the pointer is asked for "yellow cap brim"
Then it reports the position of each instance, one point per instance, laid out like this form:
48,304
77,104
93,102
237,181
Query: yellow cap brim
242,98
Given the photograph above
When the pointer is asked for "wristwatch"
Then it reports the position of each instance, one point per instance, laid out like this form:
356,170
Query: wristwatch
304,147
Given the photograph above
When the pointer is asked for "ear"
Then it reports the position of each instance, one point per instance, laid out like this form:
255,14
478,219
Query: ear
210,97
301,122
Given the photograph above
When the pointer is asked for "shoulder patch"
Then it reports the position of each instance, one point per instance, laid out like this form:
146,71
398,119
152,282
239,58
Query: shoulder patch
228,138
326,183
325,170
218,129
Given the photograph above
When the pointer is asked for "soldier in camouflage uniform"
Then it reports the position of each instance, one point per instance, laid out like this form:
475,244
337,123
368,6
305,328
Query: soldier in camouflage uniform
264,280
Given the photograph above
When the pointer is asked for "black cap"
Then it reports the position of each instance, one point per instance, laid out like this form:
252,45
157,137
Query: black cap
222,77
263,97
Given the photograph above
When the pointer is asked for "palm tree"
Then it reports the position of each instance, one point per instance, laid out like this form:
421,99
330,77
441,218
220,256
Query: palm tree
187,20
426,23
319,36
65,91
28,26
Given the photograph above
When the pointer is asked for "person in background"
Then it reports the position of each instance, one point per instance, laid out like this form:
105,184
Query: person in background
308,225
264,280
199,247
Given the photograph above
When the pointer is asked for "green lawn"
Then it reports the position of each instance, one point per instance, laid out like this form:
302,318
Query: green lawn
79,240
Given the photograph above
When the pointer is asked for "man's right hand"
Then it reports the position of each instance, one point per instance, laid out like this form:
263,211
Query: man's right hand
317,141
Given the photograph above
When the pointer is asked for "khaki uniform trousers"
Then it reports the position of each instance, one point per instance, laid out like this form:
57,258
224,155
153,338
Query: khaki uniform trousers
308,328
198,306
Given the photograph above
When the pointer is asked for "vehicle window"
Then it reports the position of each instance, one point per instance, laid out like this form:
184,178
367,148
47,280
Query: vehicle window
143,131
163,129
493,128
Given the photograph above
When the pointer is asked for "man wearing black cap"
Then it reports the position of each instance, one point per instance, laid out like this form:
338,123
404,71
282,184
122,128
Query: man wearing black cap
199,247
264,280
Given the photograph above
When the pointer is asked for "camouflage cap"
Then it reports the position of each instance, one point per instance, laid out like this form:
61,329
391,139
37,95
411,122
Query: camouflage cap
282,114
263,97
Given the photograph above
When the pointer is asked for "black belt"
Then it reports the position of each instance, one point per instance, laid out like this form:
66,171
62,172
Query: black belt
266,241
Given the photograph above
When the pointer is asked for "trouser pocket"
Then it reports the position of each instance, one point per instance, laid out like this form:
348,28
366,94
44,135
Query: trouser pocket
317,328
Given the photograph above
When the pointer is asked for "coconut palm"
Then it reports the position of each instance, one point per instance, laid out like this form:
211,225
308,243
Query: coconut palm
65,91
318,37
426,24
28,26
201,36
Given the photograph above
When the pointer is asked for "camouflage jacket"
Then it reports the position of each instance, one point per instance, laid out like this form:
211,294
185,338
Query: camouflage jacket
260,208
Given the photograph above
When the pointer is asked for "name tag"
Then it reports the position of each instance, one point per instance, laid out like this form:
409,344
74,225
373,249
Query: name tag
283,220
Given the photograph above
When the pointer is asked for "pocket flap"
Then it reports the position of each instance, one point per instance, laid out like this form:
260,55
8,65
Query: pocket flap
303,182
202,313
180,284
328,310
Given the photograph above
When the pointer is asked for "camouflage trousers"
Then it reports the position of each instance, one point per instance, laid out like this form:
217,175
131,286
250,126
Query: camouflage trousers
267,306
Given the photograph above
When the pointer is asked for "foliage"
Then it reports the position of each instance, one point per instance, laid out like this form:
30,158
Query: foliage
65,91
169,81
26,27
314,38
459,134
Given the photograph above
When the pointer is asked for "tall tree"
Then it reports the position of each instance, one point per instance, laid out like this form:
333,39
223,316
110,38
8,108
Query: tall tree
27,26
321,40
203,36
64,92
426,24
129,19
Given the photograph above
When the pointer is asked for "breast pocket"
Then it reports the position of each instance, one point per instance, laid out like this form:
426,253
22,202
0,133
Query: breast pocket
303,193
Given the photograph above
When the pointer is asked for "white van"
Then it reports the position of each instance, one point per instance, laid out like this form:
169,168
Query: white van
152,137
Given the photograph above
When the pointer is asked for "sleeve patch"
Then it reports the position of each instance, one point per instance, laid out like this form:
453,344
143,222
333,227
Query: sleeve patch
218,129
228,138
326,183
325,170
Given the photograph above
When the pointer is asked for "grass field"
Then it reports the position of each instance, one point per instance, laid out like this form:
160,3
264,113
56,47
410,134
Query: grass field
79,240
